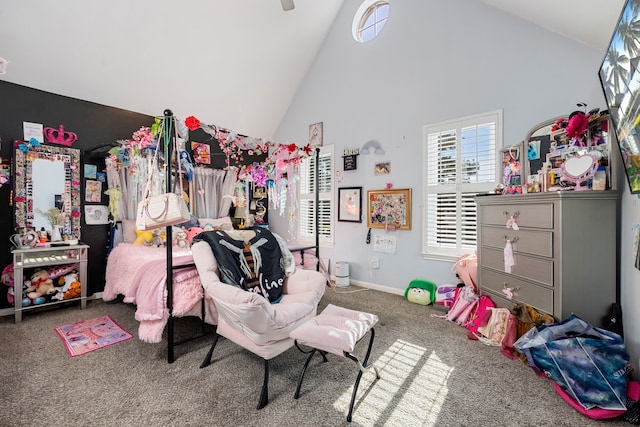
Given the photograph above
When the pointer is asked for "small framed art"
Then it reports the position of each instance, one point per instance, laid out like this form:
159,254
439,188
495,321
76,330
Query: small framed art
513,168
350,204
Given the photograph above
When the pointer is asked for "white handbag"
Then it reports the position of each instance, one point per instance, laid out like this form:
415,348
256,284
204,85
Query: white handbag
162,210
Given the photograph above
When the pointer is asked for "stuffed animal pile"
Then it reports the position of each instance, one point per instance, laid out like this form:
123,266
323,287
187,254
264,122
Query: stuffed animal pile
55,283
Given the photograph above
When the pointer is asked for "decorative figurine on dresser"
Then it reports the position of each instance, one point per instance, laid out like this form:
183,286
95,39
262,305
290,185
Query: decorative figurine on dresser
555,247
49,262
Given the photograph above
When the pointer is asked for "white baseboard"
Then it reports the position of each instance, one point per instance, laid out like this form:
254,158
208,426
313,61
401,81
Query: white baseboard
374,286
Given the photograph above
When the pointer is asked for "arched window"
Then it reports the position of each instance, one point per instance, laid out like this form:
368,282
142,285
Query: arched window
369,19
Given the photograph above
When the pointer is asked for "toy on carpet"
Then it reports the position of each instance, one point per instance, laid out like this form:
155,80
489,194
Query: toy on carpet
445,295
40,286
421,292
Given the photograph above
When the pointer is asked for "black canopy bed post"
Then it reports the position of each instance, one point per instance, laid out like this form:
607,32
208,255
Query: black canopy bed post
168,146
317,173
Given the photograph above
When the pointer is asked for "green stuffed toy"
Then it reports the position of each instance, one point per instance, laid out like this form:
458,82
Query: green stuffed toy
421,292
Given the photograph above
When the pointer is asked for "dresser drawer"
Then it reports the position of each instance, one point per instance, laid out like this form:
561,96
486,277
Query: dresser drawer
535,295
539,215
500,300
528,267
523,241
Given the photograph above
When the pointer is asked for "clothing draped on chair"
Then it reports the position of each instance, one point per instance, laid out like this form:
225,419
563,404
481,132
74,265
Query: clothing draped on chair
214,191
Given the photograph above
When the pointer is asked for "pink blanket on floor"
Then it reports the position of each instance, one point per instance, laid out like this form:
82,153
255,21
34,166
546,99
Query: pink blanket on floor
139,274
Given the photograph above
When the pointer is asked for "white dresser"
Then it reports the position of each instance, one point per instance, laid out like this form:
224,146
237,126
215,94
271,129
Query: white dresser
565,251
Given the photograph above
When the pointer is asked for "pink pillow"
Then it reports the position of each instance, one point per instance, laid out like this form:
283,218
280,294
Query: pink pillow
129,230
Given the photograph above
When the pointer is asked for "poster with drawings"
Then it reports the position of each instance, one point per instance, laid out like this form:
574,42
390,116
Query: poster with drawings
384,243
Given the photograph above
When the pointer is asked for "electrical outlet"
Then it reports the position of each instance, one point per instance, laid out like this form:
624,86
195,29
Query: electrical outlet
375,263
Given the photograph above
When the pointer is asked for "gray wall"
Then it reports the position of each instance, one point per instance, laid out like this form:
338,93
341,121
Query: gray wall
438,60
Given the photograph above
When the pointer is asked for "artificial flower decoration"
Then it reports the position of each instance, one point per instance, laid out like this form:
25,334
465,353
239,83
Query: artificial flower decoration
561,123
142,138
192,123
259,174
577,125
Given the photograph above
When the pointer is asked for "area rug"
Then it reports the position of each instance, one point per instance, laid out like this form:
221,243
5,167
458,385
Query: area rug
84,336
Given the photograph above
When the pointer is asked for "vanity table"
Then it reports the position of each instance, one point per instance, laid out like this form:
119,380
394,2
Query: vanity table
47,177
26,260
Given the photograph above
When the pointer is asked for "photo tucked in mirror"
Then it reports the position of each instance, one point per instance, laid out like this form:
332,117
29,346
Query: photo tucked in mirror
47,181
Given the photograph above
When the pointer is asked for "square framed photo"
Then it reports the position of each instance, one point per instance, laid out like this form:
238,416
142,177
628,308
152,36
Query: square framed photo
350,204
389,209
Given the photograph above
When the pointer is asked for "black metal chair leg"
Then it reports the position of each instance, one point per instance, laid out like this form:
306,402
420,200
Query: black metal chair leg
207,360
264,395
304,369
361,367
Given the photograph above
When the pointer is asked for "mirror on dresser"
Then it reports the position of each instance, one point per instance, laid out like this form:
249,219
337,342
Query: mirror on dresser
47,177
548,146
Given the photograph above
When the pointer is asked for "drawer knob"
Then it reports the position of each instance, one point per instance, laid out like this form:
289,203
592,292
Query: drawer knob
509,291
514,215
515,239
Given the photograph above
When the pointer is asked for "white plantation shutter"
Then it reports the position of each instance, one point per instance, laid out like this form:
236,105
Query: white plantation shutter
306,198
459,162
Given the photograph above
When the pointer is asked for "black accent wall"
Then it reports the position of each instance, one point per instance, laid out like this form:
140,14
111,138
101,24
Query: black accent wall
97,127
94,124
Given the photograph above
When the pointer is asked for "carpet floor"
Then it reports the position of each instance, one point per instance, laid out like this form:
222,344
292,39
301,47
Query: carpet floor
431,375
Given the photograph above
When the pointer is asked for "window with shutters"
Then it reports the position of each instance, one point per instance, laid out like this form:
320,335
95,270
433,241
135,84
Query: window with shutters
459,162
307,198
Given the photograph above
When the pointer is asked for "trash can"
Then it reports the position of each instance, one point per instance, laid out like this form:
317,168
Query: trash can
342,273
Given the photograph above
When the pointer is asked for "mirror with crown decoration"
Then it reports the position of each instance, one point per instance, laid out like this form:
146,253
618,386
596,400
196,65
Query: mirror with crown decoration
47,178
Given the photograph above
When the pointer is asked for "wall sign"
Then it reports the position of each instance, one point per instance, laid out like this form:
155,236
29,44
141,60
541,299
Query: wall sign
350,163
350,157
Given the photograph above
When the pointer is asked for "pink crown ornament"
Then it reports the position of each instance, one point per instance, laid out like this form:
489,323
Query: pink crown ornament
59,136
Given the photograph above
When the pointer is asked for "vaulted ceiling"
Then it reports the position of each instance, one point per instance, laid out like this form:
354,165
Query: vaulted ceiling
233,63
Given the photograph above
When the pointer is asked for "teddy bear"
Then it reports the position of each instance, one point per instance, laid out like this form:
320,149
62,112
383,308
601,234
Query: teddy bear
68,287
41,285
180,239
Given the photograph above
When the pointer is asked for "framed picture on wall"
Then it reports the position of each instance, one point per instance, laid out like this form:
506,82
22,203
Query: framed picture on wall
315,135
389,209
350,204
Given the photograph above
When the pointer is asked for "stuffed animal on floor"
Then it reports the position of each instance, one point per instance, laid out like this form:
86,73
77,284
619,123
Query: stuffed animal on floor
41,286
421,292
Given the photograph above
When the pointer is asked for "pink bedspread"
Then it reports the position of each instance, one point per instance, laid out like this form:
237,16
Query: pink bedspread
139,273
